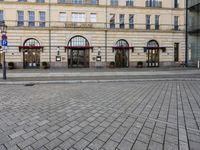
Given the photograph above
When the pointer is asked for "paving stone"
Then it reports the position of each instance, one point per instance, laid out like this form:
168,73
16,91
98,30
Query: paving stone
40,135
26,143
155,146
96,144
125,145
110,145
53,144
16,134
68,143
81,144
40,143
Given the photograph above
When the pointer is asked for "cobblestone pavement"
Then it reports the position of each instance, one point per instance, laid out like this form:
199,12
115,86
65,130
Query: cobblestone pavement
151,115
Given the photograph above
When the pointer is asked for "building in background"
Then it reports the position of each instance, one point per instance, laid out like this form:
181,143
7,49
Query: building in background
94,33
193,32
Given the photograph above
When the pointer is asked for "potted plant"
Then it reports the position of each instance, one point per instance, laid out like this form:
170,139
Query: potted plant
44,65
11,65
112,64
139,64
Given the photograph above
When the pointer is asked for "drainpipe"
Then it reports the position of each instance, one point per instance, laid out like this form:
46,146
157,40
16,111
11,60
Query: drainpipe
106,34
49,33
186,35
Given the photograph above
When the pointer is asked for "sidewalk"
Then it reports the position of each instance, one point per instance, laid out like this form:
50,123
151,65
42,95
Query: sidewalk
96,75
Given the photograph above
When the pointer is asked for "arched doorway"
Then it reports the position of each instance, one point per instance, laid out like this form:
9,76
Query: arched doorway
78,52
152,53
121,54
31,53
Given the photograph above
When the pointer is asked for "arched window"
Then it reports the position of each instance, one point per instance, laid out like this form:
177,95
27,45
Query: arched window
152,43
122,43
31,42
78,41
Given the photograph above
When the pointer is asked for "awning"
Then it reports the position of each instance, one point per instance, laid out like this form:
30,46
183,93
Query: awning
23,48
122,48
78,47
155,48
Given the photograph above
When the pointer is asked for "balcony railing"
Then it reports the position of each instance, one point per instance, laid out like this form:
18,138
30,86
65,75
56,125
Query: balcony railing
96,25
80,2
153,4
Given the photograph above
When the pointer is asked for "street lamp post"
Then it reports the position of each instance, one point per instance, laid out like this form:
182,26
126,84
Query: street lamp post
4,46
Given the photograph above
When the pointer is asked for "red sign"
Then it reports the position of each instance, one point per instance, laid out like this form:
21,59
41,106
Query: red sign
4,37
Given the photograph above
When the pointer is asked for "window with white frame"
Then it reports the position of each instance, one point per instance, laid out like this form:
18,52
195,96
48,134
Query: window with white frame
1,16
31,18
20,21
42,19
93,17
63,16
78,17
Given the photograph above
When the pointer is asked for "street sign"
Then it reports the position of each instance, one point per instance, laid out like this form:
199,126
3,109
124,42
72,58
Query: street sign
4,43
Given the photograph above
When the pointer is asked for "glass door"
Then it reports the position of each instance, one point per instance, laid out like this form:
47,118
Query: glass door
31,59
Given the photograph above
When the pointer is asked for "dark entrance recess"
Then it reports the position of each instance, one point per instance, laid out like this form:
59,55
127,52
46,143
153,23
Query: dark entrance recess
121,50
153,53
78,50
31,53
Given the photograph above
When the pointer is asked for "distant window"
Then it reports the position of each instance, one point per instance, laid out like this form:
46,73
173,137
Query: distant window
22,0
40,1
131,21
93,2
121,21
31,22
63,16
93,17
157,22
153,3
20,21
78,1
1,16
42,19
148,23
112,21
78,17
176,26
176,3
114,2
129,2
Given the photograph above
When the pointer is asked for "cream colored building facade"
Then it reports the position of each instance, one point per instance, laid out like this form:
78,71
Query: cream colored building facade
94,33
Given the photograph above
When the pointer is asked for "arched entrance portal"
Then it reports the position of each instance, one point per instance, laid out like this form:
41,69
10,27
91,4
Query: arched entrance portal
152,53
78,52
121,54
31,53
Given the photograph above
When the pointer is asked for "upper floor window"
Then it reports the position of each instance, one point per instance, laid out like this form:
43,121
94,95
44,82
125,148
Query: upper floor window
176,3
1,16
148,23
31,22
78,17
131,21
157,22
176,23
129,2
40,1
153,3
63,16
78,1
114,2
94,2
112,21
93,17
22,0
121,21
42,19
20,21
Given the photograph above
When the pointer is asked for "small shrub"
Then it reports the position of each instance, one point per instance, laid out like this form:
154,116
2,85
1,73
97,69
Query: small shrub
44,65
11,65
